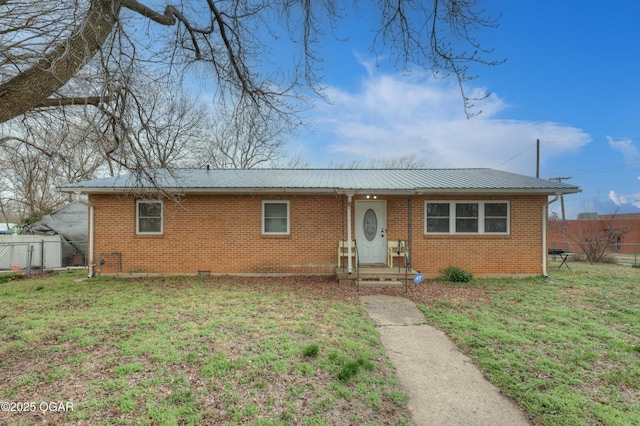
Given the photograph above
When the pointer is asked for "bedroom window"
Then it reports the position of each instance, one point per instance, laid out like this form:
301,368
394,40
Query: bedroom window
437,217
466,217
496,218
149,217
275,217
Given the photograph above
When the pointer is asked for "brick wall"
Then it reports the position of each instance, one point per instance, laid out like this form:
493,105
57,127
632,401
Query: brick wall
578,229
223,234
519,253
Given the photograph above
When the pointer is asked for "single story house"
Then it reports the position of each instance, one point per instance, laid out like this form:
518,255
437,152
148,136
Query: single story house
314,221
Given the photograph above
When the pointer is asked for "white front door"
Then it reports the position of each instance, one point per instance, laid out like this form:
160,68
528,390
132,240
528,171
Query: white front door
371,231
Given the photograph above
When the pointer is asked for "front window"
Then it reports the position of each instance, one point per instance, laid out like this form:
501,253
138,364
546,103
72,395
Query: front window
496,217
467,217
437,217
275,217
149,217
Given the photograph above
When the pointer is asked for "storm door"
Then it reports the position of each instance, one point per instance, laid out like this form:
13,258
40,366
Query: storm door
371,231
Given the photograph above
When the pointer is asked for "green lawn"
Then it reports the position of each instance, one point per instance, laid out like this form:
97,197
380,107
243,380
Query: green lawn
566,348
205,350
190,350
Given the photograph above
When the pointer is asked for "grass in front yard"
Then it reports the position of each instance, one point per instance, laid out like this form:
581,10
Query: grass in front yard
193,350
566,348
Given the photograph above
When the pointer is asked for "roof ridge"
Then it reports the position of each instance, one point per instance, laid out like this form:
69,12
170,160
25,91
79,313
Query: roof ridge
329,168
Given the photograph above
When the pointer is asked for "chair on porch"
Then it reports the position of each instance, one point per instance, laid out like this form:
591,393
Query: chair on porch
343,252
396,249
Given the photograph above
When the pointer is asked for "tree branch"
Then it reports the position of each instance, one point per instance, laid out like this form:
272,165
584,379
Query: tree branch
167,18
6,139
34,85
58,102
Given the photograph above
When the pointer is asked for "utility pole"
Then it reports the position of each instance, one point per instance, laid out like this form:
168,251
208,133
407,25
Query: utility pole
538,158
560,179
564,226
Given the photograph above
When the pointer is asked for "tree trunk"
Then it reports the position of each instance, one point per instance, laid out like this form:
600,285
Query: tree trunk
33,86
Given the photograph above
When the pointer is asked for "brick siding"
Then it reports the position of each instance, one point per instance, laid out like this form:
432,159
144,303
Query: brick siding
223,234
577,229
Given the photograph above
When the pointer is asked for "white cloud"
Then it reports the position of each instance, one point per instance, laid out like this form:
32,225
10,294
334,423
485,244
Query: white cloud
626,147
396,115
618,200
621,200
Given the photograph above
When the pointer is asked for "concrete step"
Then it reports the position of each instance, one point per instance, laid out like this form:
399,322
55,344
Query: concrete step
382,276
380,283
380,273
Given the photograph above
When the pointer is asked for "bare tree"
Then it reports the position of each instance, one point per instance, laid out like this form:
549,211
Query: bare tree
7,213
598,239
28,180
150,125
291,161
410,161
49,153
244,140
46,44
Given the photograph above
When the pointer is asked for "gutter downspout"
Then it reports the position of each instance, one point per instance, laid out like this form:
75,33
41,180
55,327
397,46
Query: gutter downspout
544,235
90,241
349,263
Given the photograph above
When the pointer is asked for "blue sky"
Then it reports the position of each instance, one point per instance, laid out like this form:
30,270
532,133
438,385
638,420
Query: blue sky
571,79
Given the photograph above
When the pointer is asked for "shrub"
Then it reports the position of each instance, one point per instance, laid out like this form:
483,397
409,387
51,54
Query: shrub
457,275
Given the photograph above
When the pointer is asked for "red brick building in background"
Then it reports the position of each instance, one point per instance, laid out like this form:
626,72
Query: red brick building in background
587,223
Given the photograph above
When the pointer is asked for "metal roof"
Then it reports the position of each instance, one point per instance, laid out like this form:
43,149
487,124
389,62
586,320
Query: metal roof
411,181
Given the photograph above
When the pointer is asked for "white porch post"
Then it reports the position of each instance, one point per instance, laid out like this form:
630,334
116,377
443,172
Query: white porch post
349,263
545,252
91,238
544,241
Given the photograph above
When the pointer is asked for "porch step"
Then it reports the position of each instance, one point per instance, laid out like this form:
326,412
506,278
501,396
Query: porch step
379,276
380,283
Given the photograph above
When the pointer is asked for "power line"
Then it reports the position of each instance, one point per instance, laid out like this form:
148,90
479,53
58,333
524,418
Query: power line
511,158
611,168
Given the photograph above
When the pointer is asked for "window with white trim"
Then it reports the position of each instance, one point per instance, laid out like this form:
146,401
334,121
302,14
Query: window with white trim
148,217
466,217
275,217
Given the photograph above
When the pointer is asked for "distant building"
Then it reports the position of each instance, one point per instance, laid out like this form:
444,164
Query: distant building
588,216
631,216
629,243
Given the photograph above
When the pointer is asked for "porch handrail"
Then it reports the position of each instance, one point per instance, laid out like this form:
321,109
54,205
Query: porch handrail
343,252
403,252
402,248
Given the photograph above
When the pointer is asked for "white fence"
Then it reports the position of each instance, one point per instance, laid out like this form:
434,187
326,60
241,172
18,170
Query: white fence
27,252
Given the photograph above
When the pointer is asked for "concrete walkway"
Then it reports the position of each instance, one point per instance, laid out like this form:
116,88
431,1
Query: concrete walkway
443,385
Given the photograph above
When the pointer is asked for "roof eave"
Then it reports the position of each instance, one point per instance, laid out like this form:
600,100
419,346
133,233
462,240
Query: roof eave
352,191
